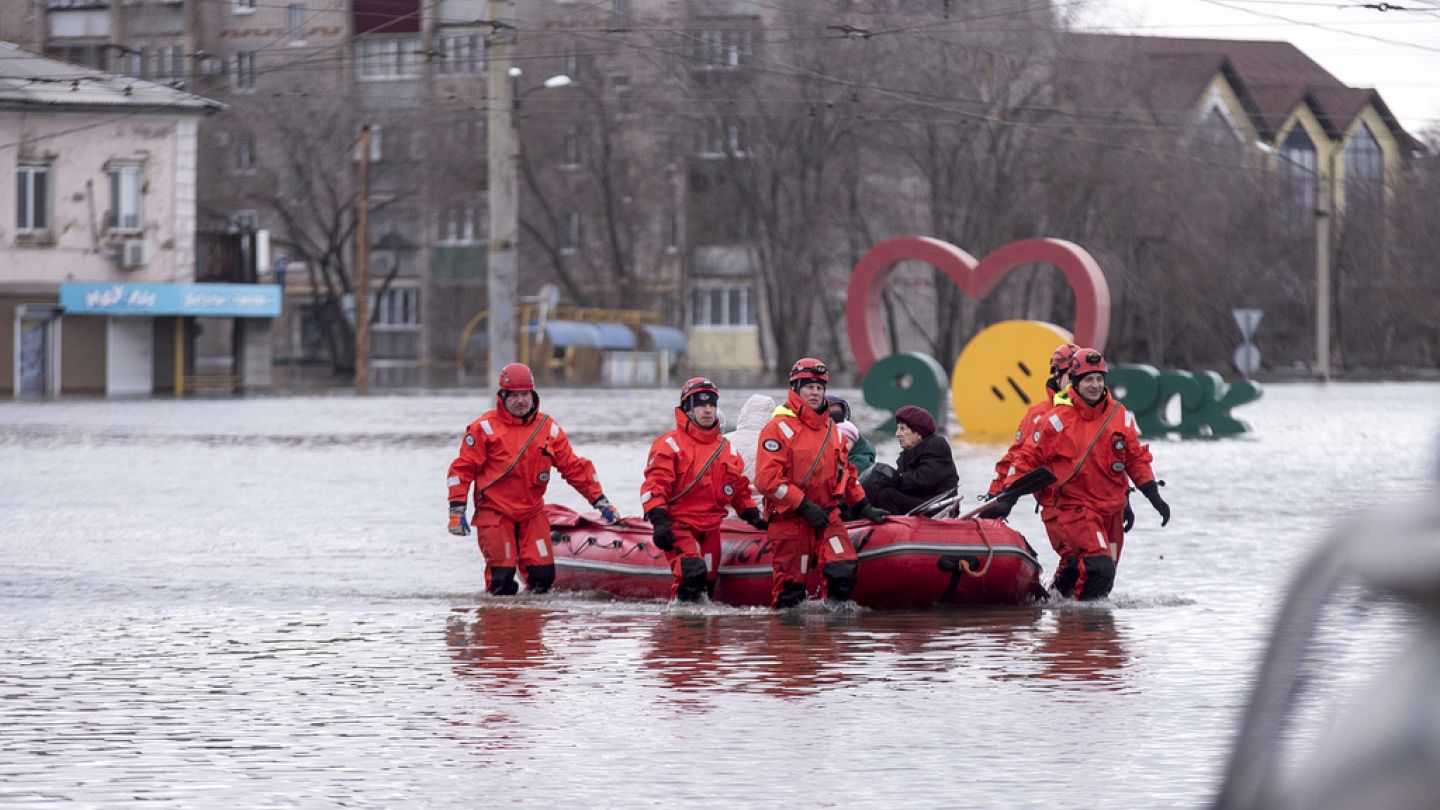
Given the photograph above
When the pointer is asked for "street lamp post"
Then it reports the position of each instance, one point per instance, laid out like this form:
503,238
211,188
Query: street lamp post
503,200
503,160
1324,194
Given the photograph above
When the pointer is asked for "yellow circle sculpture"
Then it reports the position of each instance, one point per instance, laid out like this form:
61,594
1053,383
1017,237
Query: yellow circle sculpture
999,374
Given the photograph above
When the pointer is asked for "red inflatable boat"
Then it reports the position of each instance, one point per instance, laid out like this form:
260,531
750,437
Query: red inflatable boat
905,562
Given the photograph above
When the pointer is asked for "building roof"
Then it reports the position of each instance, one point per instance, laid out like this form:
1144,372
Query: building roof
30,81
1272,78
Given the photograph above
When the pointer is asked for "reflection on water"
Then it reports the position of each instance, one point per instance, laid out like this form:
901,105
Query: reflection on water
691,653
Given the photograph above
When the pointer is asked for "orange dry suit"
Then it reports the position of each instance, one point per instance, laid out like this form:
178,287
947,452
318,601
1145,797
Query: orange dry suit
1092,450
694,474
509,458
1005,467
802,456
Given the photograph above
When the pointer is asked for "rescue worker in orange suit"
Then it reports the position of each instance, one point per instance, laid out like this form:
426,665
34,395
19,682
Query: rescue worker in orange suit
1059,380
1092,446
802,470
1061,362
692,475
507,454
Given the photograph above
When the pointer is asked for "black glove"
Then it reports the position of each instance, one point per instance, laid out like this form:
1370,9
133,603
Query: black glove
1151,491
817,517
752,516
999,508
1128,519
661,535
870,512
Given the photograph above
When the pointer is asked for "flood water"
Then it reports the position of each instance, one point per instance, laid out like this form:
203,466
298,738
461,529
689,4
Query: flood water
255,603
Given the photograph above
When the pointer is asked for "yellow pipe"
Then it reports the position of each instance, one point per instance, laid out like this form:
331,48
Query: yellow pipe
179,356
470,327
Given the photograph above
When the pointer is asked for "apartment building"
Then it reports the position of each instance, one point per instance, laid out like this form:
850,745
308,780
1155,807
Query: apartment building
104,286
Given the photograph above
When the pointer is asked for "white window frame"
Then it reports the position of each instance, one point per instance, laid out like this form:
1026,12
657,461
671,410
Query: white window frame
398,309
298,16
574,230
710,307
460,54
245,153
126,204
245,219
461,224
242,6
380,59
621,89
242,77
570,62
723,137
26,219
570,149
723,48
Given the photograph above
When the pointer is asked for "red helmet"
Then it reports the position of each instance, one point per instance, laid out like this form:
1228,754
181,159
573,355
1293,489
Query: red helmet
808,368
1063,359
1088,361
698,391
516,377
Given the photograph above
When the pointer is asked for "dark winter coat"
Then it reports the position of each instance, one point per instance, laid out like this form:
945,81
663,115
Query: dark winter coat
922,472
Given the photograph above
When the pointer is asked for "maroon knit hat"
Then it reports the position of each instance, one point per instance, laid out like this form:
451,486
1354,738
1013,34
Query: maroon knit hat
917,419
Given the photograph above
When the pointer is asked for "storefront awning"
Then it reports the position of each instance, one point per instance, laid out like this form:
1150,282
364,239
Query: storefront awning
194,300
666,338
589,335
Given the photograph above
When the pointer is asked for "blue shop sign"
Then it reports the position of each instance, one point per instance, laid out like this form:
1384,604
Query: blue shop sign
200,300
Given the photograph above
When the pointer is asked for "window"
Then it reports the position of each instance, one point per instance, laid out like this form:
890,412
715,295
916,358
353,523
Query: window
32,212
1364,166
244,78
1298,164
672,231
162,64
620,88
722,50
244,220
570,62
243,6
721,137
398,306
124,215
620,13
570,149
462,225
297,23
245,153
388,58
570,240
462,54
729,305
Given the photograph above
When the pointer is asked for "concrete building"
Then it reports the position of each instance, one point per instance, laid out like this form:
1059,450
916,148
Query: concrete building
98,238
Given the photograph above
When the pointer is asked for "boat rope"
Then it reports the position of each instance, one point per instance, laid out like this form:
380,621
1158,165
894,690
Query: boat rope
989,552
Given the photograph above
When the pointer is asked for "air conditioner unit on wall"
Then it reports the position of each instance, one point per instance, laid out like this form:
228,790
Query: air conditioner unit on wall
133,254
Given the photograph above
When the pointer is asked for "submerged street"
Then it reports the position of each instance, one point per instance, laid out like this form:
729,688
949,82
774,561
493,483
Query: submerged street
255,602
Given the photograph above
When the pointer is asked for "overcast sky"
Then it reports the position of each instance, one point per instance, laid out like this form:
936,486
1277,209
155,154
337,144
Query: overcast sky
1397,51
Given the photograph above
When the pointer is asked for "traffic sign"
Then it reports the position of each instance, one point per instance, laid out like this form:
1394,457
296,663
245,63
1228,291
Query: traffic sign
1248,320
1247,359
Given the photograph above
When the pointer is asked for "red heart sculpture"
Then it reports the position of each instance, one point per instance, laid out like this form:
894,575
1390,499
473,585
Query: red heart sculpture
863,305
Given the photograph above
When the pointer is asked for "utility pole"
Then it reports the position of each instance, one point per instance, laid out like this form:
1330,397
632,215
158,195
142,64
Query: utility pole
503,199
362,269
1322,281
